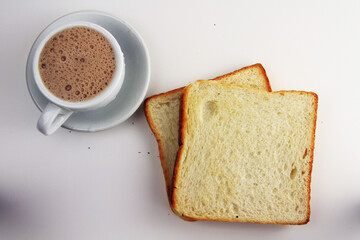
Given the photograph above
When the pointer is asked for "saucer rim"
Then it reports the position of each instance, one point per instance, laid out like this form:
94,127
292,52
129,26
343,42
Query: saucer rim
147,76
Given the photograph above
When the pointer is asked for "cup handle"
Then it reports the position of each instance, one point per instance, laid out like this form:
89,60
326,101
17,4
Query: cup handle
52,118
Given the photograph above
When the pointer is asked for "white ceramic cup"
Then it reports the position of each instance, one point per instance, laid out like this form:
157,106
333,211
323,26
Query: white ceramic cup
57,110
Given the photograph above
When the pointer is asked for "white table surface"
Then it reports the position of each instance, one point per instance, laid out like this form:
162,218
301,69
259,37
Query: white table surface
105,185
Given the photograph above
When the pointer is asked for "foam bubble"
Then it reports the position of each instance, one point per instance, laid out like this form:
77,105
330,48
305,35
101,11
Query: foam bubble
68,87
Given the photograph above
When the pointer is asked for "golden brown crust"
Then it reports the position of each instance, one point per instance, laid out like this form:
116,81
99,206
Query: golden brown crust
182,130
165,94
257,65
182,135
150,121
316,98
160,145
234,220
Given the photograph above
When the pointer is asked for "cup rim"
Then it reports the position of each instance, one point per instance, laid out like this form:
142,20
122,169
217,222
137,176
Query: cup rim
98,101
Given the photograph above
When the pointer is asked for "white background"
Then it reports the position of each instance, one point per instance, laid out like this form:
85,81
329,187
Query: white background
55,187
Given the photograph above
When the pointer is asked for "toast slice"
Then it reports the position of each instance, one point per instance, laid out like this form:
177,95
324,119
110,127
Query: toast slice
162,113
246,155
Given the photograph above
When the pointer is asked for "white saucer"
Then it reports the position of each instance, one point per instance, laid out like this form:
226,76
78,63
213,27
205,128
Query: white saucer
136,82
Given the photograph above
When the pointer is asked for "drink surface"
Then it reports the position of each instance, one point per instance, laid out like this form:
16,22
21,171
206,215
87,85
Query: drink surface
77,64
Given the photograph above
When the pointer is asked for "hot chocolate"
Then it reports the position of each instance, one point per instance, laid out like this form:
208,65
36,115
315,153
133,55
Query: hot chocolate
77,64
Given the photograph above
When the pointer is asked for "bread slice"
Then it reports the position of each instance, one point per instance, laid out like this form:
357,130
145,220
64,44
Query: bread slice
162,113
246,154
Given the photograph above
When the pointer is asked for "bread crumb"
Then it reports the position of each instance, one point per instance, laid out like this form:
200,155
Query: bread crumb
88,147
139,152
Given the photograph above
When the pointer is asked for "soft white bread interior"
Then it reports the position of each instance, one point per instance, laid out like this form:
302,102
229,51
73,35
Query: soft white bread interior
246,154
